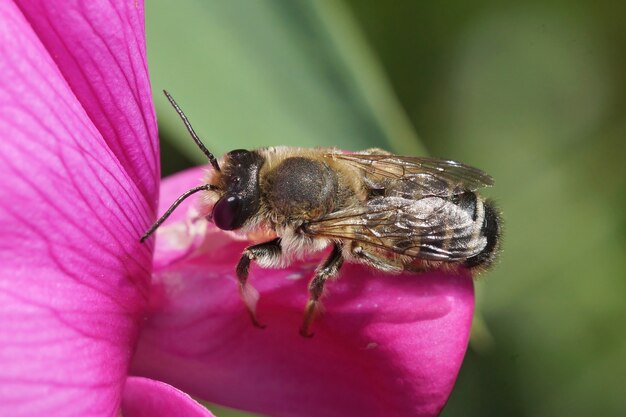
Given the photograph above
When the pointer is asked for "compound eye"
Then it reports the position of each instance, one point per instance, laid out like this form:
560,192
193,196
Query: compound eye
227,213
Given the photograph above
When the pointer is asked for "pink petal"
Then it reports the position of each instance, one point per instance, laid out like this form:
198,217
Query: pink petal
385,345
99,47
145,397
73,276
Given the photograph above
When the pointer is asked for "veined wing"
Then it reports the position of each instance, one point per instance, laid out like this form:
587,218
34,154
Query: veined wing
430,228
430,176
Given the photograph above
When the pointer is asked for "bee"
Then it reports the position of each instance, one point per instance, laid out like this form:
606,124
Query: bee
392,213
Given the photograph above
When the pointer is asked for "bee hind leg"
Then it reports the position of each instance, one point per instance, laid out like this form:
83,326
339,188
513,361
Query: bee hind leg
267,253
376,261
328,269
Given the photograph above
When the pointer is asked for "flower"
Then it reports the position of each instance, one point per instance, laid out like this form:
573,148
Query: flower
91,322
79,170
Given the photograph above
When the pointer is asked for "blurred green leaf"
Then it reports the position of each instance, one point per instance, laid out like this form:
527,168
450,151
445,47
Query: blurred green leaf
528,98
260,73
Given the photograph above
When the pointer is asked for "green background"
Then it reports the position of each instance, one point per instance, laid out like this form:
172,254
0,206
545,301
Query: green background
532,93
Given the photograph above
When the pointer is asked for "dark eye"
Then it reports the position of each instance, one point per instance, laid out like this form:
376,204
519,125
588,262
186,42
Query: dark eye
226,213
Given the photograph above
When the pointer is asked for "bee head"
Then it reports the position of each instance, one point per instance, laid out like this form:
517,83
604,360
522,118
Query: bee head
239,182
236,182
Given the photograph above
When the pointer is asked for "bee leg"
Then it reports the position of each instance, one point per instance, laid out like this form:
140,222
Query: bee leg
265,254
381,263
326,270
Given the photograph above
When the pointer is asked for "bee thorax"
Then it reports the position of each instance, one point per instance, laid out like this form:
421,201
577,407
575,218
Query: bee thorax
301,188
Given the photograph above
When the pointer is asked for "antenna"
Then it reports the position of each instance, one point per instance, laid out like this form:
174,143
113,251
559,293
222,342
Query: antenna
173,207
192,132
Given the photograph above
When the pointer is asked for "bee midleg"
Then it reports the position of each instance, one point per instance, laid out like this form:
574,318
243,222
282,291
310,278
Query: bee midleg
266,253
376,261
328,269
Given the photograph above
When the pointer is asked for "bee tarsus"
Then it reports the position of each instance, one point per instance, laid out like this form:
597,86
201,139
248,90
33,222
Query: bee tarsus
328,269
266,253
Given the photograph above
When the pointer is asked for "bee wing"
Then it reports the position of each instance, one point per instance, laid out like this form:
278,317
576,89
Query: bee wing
430,228
429,176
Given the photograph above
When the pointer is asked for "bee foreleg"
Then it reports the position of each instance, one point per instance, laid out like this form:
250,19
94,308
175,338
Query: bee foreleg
326,270
266,253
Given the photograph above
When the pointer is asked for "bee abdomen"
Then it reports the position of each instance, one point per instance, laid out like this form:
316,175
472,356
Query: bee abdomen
468,202
490,230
